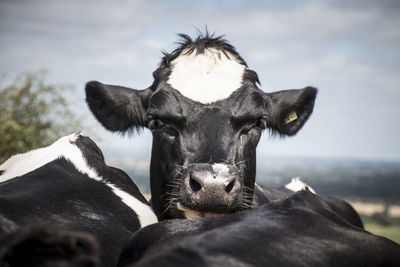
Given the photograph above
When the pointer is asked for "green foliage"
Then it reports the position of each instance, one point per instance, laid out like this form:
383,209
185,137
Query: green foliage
33,114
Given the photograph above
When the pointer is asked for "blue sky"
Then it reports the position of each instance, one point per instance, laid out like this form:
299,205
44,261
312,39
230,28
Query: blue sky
350,50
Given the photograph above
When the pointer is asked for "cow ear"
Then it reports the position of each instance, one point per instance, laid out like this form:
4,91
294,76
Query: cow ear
288,110
117,108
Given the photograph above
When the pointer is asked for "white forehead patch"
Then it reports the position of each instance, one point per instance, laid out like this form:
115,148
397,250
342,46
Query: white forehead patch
206,77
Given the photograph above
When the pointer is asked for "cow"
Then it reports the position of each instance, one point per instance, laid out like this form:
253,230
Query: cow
266,194
299,230
68,184
206,112
49,245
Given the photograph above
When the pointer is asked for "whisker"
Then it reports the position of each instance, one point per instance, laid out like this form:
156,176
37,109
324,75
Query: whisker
181,166
173,183
178,172
240,162
251,190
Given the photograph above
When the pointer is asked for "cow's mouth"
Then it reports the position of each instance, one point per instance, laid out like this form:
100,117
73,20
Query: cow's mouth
194,214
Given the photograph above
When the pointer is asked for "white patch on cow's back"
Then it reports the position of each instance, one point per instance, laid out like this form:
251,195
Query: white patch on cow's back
144,212
296,185
206,77
21,164
65,147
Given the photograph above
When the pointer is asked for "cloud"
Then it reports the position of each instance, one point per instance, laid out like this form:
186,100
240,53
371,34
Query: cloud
350,50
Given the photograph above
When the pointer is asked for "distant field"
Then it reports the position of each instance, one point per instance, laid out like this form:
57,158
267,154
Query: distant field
392,231
380,219
371,208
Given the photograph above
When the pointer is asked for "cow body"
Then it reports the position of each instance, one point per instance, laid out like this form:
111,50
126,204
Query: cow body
49,245
300,230
265,194
68,183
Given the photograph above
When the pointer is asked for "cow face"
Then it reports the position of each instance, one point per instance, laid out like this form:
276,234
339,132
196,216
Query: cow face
206,114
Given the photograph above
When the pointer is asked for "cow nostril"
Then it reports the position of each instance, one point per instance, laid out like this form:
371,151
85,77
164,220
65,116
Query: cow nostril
194,185
229,187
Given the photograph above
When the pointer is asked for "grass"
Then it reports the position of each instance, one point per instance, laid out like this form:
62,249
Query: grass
389,231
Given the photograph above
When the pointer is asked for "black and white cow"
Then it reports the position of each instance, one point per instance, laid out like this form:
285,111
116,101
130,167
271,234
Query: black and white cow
298,231
68,184
206,113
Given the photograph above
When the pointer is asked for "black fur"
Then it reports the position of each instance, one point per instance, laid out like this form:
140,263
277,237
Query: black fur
48,245
265,194
280,104
300,230
198,45
118,109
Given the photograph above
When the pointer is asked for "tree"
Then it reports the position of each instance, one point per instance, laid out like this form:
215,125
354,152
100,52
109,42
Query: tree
33,114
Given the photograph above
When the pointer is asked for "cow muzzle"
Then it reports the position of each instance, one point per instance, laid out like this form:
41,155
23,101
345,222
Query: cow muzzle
210,189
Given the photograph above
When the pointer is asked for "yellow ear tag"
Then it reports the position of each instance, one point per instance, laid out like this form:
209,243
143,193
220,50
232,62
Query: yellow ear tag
292,116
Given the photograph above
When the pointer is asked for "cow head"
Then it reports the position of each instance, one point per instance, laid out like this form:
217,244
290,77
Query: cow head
206,113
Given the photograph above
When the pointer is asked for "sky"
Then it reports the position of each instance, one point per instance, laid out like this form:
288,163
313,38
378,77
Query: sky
349,50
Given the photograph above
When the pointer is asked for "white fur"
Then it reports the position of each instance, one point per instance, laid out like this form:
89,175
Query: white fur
145,214
297,185
21,164
206,77
220,168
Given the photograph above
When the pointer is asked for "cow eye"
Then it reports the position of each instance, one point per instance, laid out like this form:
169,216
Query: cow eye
260,123
155,123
